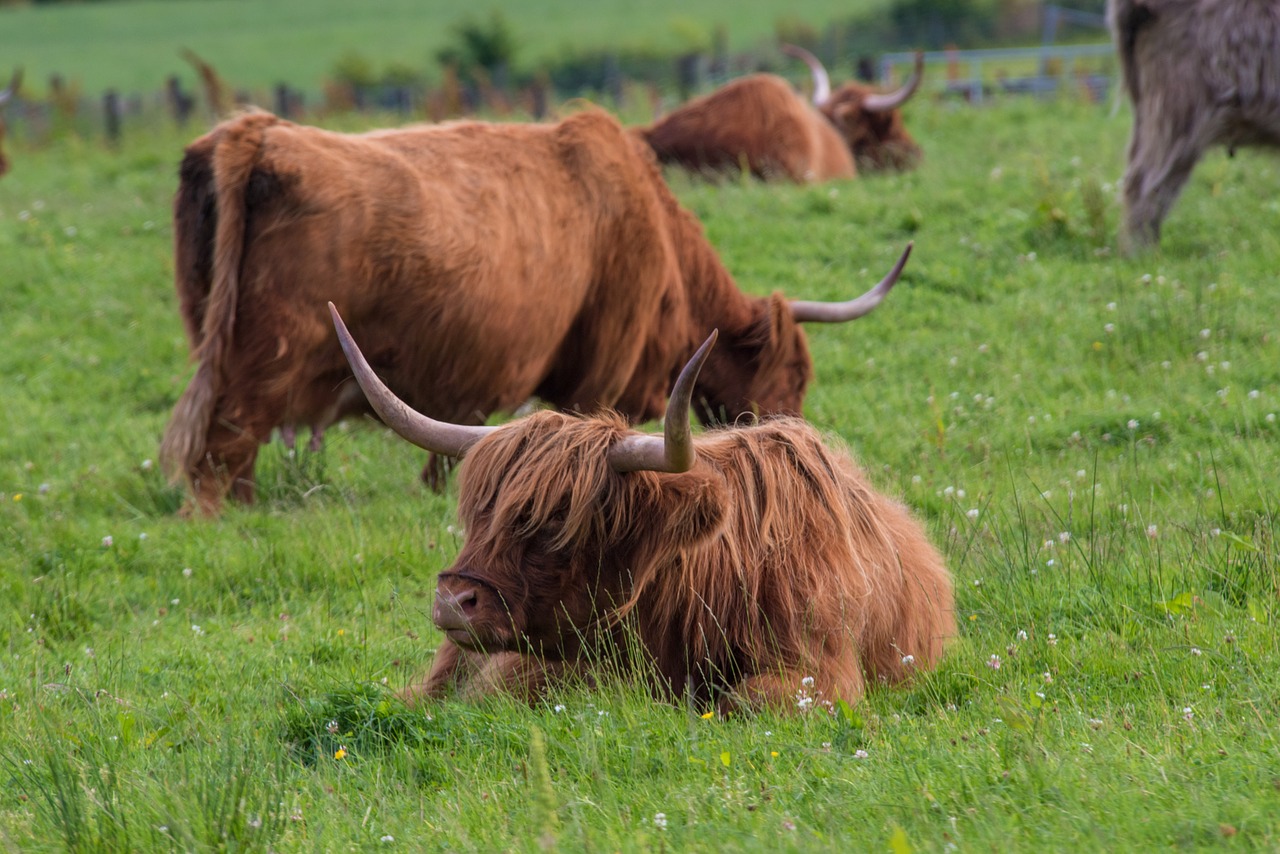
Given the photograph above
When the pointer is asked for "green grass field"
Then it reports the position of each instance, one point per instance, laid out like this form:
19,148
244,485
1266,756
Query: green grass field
1092,442
134,44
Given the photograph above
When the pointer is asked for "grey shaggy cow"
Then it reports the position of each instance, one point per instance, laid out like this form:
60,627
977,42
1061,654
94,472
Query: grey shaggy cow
1199,73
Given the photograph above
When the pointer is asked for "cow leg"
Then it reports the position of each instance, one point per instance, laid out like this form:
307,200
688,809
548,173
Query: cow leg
792,691
1160,162
451,667
435,474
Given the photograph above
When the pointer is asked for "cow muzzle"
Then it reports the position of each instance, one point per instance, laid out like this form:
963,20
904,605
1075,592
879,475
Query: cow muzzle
466,608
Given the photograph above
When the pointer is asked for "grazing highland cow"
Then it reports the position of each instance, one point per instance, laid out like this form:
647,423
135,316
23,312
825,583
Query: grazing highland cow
481,264
1199,73
5,97
760,124
742,562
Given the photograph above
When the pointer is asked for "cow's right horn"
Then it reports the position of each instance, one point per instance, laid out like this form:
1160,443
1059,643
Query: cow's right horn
894,100
439,437
7,95
805,311
673,451
821,80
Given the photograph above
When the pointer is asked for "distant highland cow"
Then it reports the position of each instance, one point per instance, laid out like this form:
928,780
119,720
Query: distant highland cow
5,97
1199,73
761,124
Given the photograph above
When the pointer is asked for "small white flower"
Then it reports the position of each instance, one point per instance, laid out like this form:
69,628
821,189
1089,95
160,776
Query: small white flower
1133,424
1254,394
807,681
973,513
1022,635
1064,537
107,541
1111,306
860,754
559,707
1195,650
660,820
1109,328
1053,639
908,660
388,838
804,702
197,630
994,662
1205,333
146,465
1152,531
186,572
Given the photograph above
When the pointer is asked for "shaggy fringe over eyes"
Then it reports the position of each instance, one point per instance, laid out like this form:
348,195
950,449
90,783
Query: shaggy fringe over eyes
549,474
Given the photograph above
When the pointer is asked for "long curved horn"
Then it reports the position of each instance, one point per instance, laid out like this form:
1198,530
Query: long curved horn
439,437
673,451
7,94
821,80
894,100
838,312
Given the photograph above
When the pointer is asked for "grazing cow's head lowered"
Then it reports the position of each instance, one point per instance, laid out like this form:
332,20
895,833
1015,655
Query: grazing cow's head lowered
5,97
421,236
744,561
870,121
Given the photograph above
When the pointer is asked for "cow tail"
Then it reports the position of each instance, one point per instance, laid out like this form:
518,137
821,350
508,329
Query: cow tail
234,155
1125,18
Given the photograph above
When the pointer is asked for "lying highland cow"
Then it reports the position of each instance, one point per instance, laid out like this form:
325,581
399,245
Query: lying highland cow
743,561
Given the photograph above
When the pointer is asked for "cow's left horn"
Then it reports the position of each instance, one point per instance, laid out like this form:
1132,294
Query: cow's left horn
838,312
821,80
672,452
894,100
439,437
7,94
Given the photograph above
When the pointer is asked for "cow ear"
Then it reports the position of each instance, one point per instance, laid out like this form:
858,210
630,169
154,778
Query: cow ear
694,503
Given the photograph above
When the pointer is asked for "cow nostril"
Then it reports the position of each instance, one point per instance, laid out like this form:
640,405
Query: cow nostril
465,600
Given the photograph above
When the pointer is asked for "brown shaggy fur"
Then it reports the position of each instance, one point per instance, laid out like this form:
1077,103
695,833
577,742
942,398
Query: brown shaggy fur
772,560
484,263
761,124
1199,73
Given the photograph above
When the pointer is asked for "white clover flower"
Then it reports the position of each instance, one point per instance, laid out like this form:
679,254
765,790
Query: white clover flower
908,660
388,838
559,707
860,754
197,630
107,541
1195,650
660,820
807,681
1053,639
1064,537
1133,424
1021,635
994,662
972,513
1152,531
146,465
